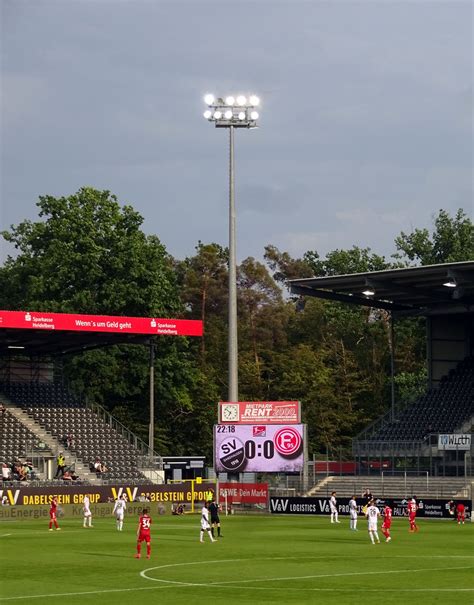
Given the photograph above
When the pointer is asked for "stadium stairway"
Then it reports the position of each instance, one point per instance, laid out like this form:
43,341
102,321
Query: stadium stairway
51,442
50,406
393,487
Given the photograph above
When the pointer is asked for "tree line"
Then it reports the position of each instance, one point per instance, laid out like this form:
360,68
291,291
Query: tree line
87,253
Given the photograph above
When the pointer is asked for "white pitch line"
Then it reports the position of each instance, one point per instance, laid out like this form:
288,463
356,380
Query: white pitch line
4,535
172,584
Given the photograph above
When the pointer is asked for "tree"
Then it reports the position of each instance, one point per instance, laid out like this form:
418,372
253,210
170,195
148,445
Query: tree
88,255
452,240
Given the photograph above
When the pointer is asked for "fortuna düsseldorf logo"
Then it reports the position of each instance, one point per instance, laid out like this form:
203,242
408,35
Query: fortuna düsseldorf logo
287,441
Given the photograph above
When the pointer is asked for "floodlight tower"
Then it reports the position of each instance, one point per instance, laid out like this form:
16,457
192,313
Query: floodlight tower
232,112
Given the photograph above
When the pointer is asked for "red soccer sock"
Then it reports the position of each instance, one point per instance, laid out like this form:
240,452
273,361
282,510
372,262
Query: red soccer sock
139,548
50,525
148,549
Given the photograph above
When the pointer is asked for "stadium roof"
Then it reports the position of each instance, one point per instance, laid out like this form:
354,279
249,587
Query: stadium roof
426,290
40,343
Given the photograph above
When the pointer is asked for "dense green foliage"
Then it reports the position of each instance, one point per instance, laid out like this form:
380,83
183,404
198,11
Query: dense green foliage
288,559
87,253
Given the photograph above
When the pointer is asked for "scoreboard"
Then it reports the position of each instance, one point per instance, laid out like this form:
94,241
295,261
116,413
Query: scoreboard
259,448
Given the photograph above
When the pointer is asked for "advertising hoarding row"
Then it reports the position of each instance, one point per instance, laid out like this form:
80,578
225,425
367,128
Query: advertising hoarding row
74,494
428,508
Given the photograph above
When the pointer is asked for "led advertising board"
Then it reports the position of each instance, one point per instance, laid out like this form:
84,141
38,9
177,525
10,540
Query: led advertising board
259,412
41,320
258,448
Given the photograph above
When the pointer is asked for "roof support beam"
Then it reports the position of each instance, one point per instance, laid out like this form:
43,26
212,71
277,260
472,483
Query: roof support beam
346,298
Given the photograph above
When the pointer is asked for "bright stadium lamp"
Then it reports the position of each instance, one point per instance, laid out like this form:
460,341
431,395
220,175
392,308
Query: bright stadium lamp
209,99
223,115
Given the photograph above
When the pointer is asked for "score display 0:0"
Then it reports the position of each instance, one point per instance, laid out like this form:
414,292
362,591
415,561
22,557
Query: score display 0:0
252,449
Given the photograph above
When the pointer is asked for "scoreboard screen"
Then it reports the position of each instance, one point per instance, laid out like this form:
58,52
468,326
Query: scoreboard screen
258,448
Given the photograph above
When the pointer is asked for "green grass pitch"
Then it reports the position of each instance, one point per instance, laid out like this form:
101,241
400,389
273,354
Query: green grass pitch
259,559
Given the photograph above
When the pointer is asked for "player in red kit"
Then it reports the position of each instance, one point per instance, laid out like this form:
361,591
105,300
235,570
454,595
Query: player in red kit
143,534
460,511
412,507
52,514
387,522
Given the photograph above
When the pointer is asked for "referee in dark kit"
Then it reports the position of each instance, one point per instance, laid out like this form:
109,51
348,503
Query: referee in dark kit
215,521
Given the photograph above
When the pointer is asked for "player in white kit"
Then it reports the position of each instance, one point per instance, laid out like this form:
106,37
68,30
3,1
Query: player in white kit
86,507
205,525
353,513
120,507
333,508
373,515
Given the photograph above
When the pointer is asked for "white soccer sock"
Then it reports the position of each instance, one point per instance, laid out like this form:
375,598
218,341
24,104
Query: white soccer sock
337,517
355,523
332,517
371,537
377,536
90,521
210,535
120,525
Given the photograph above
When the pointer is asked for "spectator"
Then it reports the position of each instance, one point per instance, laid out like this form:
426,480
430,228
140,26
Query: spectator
3,409
6,475
19,474
70,441
70,475
61,465
99,467
25,471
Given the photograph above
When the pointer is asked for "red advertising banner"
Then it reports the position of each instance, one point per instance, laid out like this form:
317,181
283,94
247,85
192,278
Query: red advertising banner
243,493
259,412
39,320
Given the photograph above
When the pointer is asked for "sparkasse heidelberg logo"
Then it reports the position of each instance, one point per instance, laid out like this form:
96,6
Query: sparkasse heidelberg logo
287,441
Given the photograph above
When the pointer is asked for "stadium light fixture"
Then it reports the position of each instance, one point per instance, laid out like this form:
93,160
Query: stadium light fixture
454,279
235,112
369,289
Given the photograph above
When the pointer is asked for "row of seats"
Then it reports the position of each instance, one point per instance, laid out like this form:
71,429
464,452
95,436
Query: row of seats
16,440
84,432
440,410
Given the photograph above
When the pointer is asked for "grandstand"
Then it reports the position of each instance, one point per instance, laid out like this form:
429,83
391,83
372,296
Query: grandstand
53,408
41,413
408,439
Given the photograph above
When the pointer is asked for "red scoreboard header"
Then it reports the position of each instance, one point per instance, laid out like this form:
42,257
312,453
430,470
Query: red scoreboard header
39,320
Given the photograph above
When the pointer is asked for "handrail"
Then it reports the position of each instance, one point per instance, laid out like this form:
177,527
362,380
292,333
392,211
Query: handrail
154,459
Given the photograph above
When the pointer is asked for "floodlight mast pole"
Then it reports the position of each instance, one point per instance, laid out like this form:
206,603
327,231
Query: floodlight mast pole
232,113
233,337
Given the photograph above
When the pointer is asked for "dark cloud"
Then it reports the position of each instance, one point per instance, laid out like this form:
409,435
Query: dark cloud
366,124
